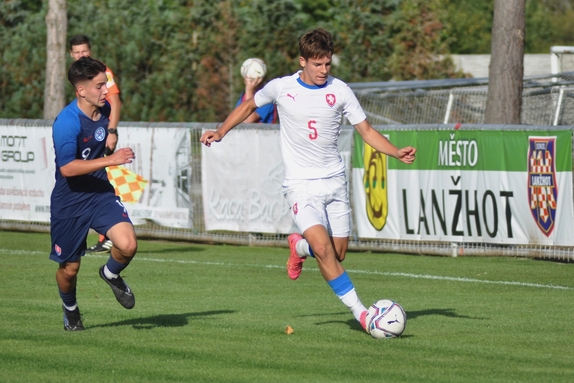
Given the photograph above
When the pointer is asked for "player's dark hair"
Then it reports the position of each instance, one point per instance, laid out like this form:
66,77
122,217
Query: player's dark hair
316,44
85,68
80,40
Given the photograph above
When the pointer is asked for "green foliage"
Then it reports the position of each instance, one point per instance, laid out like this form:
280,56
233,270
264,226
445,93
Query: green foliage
420,43
218,314
23,57
178,60
470,25
548,23
146,47
363,39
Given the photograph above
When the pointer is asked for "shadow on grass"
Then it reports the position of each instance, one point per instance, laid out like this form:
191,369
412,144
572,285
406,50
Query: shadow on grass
451,313
411,315
166,320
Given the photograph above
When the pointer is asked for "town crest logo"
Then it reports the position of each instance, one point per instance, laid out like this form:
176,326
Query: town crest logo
542,187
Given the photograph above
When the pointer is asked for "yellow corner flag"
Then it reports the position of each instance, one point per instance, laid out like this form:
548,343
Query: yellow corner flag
129,186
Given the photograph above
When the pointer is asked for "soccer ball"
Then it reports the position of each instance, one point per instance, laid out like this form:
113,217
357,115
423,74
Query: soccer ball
386,319
253,68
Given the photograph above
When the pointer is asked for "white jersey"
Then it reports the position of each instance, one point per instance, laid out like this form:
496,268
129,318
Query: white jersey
310,118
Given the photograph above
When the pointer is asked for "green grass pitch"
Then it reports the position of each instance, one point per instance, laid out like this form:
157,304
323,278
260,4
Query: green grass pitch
208,313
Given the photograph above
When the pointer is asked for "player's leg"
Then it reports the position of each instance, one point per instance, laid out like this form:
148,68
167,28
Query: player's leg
332,270
117,226
323,215
338,213
294,192
68,245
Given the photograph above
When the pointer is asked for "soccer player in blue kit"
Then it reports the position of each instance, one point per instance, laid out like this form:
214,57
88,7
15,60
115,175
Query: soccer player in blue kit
83,198
311,104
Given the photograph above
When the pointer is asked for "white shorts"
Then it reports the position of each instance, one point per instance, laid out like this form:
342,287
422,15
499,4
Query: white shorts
322,201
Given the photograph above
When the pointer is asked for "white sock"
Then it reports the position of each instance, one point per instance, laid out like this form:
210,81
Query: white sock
352,301
71,308
109,274
302,248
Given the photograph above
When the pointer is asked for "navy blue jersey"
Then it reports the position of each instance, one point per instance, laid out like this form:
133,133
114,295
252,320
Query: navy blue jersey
76,136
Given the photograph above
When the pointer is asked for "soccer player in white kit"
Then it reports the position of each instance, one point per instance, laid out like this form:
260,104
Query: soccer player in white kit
311,104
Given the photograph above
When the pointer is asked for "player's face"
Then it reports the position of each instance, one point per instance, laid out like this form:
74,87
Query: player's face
81,50
315,71
94,91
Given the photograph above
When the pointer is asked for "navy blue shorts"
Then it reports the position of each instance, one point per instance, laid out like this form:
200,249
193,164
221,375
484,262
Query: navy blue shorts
69,235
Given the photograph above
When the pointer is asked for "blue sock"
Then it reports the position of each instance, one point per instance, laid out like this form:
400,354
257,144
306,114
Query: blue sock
114,266
311,252
341,285
69,299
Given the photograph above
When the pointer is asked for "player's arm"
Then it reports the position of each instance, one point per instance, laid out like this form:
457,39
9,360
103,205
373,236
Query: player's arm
79,167
116,106
251,85
237,116
383,145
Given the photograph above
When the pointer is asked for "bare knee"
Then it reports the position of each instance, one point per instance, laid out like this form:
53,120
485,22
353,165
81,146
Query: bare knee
127,248
69,270
321,250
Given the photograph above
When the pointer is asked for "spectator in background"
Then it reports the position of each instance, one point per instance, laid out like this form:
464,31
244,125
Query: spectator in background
266,114
80,46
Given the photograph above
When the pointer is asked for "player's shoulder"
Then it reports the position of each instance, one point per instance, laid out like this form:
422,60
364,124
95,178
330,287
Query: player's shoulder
69,115
337,83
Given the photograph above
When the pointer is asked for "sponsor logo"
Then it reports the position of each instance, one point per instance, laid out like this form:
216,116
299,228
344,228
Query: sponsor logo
375,183
290,96
86,139
100,134
331,99
542,186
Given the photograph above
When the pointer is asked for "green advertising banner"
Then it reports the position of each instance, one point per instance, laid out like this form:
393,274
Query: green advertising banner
495,186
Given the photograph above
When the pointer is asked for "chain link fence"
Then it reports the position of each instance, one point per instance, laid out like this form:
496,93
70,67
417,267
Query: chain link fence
547,101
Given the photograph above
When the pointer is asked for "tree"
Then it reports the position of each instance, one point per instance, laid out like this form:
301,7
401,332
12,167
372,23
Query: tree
56,26
504,98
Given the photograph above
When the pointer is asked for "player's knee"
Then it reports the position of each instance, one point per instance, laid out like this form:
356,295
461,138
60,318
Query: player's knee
69,271
130,249
322,251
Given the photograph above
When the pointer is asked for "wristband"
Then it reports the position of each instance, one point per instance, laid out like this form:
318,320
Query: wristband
113,131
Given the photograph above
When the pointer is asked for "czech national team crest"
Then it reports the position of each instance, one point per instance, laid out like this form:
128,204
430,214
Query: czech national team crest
331,99
542,187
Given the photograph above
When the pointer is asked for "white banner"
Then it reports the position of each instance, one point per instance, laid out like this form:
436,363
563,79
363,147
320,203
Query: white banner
162,157
26,173
242,177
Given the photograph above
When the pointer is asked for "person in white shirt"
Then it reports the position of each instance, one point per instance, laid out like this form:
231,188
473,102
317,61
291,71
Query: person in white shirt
311,104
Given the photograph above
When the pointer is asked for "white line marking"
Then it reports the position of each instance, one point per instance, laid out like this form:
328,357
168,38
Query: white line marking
369,272
140,257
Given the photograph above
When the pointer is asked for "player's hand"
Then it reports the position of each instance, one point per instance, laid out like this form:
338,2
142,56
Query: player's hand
122,156
406,155
251,84
210,136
